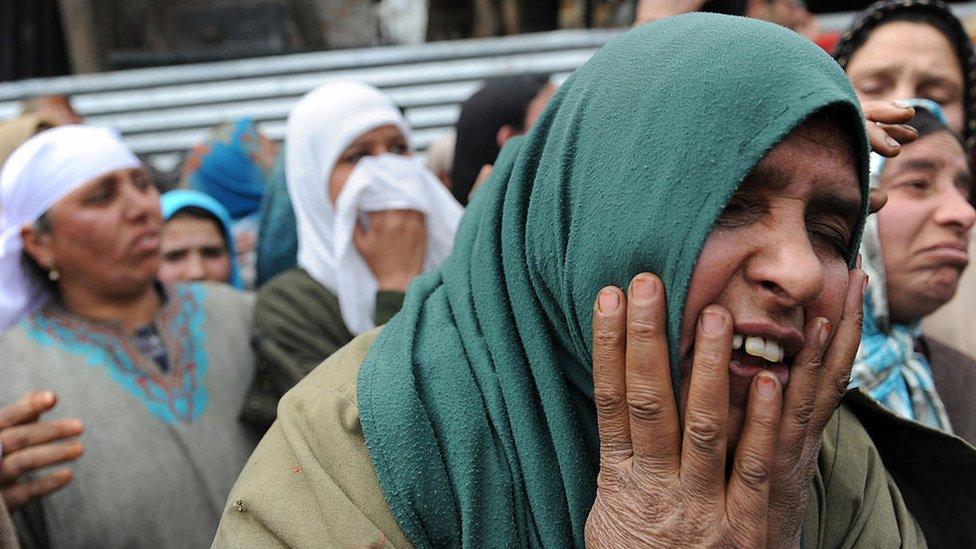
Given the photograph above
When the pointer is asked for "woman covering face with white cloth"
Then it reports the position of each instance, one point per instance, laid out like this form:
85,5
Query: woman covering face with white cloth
370,218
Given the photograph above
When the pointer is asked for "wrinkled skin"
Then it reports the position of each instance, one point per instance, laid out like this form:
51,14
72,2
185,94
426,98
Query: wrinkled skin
730,464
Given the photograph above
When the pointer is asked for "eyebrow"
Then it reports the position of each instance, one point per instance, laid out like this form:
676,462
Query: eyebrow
774,178
921,164
884,67
768,177
835,204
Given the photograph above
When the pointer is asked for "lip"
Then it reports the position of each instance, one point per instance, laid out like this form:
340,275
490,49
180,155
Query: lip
951,252
745,367
146,241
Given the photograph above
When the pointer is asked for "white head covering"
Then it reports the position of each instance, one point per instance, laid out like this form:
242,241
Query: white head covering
321,126
40,172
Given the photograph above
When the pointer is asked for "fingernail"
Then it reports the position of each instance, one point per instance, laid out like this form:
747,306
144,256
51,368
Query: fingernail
825,330
643,289
891,142
712,322
608,300
858,260
765,385
864,288
903,104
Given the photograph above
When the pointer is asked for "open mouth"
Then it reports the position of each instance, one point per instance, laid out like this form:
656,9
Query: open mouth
752,354
768,349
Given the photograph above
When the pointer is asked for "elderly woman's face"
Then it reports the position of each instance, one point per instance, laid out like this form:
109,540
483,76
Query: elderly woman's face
924,228
382,140
776,257
905,60
105,234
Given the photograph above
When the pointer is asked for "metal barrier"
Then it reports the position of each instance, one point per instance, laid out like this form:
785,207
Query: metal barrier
162,112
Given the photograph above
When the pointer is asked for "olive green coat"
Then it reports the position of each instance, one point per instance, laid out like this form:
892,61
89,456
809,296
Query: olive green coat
297,325
310,483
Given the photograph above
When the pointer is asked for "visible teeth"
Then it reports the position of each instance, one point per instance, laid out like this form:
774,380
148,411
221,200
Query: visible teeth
773,352
755,346
769,350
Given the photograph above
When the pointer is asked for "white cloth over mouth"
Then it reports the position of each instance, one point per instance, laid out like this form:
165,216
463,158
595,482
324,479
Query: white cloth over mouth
380,183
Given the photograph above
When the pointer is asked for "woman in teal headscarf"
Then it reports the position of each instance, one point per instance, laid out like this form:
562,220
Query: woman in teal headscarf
233,166
199,251
727,157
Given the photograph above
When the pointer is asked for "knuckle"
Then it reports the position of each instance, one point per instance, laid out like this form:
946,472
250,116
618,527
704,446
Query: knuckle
606,337
16,498
643,328
752,469
815,363
12,466
611,400
707,357
839,386
647,406
703,434
764,422
802,412
17,439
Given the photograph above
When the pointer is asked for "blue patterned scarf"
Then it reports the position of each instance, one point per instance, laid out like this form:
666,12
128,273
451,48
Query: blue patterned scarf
887,365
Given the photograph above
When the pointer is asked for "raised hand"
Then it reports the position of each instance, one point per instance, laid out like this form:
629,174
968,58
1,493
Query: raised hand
394,246
660,485
885,124
30,444
664,482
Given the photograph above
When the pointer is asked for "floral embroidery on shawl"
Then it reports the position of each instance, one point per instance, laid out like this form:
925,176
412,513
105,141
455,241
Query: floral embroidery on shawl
176,396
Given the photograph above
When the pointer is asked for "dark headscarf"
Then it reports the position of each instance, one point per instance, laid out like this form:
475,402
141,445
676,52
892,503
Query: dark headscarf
932,12
501,102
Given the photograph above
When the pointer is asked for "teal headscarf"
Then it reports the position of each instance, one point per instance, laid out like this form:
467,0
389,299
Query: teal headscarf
173,201
477,400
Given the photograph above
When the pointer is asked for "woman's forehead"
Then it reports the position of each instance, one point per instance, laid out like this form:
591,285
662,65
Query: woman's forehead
815,156
105,178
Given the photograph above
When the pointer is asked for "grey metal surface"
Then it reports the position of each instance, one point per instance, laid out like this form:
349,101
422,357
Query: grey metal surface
165,111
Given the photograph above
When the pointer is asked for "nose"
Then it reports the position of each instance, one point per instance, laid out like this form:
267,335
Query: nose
955,210
194,269
903,89
787,269
141,202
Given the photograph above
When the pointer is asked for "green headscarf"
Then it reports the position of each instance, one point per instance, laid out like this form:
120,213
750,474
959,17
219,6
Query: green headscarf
477,399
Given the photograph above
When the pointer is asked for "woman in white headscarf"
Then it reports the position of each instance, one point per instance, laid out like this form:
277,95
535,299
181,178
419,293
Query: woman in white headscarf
156,374
370,218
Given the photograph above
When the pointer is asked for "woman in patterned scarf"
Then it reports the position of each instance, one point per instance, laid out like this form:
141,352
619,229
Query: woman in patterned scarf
914,251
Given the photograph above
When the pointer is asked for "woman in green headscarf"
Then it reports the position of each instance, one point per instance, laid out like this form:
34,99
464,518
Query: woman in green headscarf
484,412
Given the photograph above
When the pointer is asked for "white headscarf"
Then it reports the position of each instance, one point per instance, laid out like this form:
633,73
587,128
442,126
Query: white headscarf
40,172
321,126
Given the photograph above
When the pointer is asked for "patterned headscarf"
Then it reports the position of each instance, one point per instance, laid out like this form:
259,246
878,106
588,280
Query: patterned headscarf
937,14
887,365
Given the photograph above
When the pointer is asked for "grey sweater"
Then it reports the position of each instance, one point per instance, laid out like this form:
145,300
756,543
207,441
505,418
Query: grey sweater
162,450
